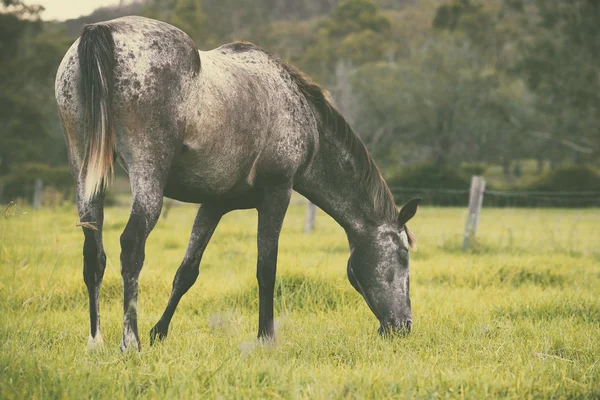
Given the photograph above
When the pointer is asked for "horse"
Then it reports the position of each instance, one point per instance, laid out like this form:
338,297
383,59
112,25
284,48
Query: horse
231,128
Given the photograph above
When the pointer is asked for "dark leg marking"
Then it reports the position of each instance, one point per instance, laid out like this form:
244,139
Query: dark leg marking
271,213
94,262
145,212
205,223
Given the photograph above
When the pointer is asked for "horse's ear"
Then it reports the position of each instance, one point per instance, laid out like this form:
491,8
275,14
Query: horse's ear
408,211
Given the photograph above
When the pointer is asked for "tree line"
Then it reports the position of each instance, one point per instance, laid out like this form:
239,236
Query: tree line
440,82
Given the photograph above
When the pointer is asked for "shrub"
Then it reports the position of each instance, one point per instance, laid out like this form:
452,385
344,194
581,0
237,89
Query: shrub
573,178
21,181
429,176
554,189
447,187
470,169
437,186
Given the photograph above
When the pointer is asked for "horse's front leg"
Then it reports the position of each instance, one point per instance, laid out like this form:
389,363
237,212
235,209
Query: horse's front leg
91,217
205,223
145,211
271,213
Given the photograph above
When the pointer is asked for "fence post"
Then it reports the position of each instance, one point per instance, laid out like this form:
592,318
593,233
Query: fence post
475,202
311,215
37,194
1,191
168,204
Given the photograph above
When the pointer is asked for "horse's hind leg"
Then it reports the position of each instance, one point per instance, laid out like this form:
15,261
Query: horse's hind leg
147,185
204,225
91,217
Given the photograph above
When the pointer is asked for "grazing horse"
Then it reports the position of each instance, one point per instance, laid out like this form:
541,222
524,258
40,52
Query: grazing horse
232,128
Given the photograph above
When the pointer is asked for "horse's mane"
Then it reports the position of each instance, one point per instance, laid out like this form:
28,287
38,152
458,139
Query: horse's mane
331,119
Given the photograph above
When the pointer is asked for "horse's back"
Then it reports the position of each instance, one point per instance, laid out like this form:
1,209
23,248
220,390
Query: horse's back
229,116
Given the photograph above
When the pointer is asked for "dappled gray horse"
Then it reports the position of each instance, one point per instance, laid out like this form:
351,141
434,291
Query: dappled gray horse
232,128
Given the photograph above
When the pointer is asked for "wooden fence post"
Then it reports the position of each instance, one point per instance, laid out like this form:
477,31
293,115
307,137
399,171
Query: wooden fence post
37,194
311,215
167,206
475,202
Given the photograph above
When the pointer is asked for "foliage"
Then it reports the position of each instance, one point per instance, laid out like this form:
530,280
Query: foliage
356,31
30,53
569,178
438,81
430,176
521,307
21,180
553,47
437,185
353,16
447,100
470,169
450,187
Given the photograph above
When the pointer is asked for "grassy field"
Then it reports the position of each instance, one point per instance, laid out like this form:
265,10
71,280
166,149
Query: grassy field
517,316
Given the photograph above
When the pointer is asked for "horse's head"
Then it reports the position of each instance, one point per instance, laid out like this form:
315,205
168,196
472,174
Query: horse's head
378,269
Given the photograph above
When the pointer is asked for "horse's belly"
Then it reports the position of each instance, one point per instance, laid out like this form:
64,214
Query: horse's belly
200,176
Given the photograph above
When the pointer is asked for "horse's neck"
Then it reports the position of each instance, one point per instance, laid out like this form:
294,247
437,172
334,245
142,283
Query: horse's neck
333,182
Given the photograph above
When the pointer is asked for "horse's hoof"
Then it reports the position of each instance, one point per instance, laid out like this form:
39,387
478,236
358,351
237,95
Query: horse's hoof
126,348
130,341
157,333
266,338
95,343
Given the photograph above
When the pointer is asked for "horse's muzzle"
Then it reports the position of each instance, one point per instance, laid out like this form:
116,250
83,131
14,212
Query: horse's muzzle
395,328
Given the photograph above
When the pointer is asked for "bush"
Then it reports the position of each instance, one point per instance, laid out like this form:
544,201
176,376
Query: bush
574,178
447,187
470,169
57,181
429,176
437,186
21,181
554,189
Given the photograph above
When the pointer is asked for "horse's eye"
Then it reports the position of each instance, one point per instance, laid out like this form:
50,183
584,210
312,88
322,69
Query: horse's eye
403,255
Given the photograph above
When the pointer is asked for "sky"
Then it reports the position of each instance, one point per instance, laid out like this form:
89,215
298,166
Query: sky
66,9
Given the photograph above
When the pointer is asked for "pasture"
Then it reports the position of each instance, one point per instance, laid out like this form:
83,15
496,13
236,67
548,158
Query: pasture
516,316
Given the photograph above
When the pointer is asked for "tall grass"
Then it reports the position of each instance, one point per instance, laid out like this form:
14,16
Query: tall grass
516,316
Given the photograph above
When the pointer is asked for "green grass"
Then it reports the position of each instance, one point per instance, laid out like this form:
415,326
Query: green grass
516,316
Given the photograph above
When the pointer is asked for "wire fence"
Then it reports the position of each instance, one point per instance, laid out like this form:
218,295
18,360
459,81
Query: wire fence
452,197
500,198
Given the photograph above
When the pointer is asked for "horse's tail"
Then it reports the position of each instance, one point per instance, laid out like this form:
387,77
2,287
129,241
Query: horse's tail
96,66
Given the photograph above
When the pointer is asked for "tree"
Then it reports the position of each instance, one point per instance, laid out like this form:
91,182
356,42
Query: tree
354,32
562,65
554,47
445,99
29,54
